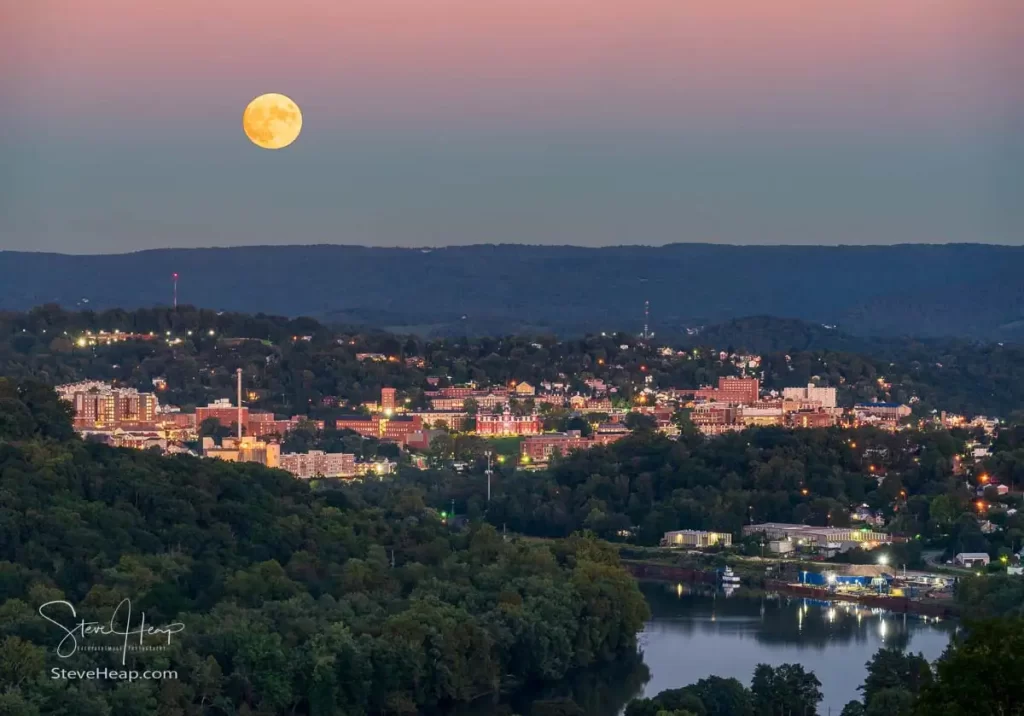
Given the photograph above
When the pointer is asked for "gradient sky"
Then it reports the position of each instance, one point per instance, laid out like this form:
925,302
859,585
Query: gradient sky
442,122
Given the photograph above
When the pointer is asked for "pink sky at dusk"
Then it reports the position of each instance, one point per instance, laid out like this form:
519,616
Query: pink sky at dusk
529,60
433,122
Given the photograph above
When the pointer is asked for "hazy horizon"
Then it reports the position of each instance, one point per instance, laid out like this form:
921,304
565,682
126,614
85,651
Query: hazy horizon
517,245
455,123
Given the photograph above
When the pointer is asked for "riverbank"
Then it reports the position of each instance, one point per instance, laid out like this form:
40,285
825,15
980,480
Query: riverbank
648,571
897,605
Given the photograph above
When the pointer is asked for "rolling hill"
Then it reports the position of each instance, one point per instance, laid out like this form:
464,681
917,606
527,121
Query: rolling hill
962,290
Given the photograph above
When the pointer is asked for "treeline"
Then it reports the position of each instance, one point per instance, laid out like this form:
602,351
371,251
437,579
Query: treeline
292,601
645,485
292,375
979,675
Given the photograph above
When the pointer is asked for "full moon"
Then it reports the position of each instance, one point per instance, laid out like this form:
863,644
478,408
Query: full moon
272,121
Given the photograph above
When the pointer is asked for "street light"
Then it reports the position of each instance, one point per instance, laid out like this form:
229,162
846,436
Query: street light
883,559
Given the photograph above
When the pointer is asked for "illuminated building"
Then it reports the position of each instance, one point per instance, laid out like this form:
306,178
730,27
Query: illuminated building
696,538
245,449
382,428
735,391
454,420
825,396
507,424
99,405
317,463
387,400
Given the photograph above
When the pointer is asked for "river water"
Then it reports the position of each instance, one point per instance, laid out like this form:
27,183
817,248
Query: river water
695,634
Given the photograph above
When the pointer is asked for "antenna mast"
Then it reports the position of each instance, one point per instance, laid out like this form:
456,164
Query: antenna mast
174,279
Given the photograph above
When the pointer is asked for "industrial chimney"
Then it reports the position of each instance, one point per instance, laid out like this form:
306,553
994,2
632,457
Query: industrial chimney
239,373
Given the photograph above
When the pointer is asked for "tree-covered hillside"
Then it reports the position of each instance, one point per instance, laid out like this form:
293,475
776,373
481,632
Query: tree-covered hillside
292,601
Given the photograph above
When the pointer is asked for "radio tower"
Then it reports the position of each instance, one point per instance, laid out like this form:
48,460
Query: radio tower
174,280
647,320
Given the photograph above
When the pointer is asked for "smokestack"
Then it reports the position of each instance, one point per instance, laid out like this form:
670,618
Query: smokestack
239,373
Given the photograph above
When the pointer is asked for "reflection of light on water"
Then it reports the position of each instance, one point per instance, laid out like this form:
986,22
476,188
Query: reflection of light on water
679,590
831,615
883,628
800,619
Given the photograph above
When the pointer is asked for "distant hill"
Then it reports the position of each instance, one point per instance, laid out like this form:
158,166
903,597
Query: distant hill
964,290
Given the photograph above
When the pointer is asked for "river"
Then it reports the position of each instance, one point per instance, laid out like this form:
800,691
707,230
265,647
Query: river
696,633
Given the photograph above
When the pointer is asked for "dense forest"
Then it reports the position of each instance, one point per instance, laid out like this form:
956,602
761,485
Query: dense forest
639,488
292,601
197,351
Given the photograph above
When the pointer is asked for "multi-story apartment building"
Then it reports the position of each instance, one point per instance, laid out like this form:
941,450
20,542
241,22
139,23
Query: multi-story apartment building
735,391
825,396
99,405
317,463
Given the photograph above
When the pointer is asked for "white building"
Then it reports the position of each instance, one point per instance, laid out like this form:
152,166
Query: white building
972,559
822,537
825,396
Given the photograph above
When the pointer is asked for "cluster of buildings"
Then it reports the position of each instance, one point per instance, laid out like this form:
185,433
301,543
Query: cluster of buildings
783,539
539,449
737,404
125,417
825,541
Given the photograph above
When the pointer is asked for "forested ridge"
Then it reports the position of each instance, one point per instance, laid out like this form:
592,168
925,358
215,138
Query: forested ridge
293,601
939,290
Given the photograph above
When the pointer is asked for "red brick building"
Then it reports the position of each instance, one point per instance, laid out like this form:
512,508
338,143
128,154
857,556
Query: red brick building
507,424
539,448
736,391
390,429
387,400
713,419
263,424
226,413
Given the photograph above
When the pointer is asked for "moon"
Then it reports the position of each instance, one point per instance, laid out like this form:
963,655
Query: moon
272,121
